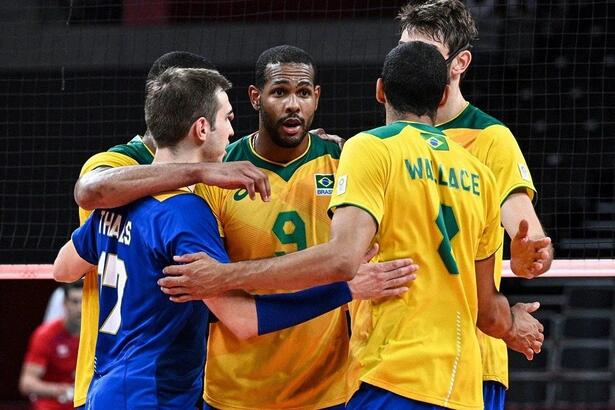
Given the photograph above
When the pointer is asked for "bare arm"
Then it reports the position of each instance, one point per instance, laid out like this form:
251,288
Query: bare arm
352,230
105,188
237,311
31,383
516,326
69,266
531,250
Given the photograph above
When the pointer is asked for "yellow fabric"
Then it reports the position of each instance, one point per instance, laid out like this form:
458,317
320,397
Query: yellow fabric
89,304
298,368
421,345
495,146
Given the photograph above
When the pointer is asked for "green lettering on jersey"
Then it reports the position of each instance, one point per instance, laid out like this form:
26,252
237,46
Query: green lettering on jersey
475,190
415,171
447,225
452,179
463,175
429,170
289,228
442,176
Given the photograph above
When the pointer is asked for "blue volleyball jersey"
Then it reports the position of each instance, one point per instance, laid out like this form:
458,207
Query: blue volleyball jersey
150,351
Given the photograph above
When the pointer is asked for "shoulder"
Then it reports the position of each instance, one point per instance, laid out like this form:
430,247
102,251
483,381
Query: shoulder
107,159
320,147
238,150
180,205
136,150
471,118
48,330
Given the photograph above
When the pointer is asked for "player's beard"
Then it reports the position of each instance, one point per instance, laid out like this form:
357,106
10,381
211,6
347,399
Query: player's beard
273,129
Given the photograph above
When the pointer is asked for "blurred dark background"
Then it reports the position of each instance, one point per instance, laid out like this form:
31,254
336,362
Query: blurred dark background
72,84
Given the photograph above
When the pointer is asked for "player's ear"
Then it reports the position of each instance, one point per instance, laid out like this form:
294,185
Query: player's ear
316,95
444,96
380,96
461,63
255,97
200,130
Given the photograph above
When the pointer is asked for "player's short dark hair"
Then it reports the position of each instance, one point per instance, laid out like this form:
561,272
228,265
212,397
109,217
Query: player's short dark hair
67,287
179,59
283,54
178,97
414,77
446,21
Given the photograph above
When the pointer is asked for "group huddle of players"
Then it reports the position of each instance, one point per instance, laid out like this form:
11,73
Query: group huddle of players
301,319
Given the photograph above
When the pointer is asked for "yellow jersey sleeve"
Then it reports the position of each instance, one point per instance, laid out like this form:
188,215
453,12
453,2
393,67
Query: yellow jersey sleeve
216,198
362,176
491,239
103,160
507,163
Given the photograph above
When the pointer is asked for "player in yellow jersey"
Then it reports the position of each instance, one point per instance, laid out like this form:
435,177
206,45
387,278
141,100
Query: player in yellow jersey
140,150
405,186
449,26
276,371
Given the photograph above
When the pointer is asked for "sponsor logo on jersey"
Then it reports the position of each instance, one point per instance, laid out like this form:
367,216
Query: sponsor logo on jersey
324,184
240,194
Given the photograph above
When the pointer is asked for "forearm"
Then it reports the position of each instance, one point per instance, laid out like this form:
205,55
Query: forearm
517,207
69,266
33,385
113,187
279,311
495,319
311,267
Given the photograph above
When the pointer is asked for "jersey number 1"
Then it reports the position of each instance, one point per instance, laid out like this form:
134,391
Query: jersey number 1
113,275
448,227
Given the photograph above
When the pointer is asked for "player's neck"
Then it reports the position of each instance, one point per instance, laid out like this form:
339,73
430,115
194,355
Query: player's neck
264,146
179,154
392,116
455,103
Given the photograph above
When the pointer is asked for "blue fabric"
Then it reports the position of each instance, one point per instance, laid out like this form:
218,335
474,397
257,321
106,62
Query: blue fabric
374,398
494,395
156,357
282,310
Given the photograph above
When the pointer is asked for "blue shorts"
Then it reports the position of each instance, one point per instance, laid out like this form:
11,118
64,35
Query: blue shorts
374,398
494,395
338,407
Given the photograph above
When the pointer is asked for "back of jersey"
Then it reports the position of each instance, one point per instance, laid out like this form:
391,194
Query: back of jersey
150,351
437,204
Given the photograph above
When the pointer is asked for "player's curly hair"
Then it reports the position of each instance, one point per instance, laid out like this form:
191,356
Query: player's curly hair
414,76
283,54
445,21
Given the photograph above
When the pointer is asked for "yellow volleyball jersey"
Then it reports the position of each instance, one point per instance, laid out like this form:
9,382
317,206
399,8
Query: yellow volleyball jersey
298,368
495,146
437,204
132,153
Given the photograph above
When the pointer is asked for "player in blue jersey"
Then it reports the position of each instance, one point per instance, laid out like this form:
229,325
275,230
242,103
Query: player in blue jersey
150,352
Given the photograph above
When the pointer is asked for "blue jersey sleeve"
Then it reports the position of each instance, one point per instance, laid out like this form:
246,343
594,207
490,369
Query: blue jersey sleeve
190,227
84,239
279,311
